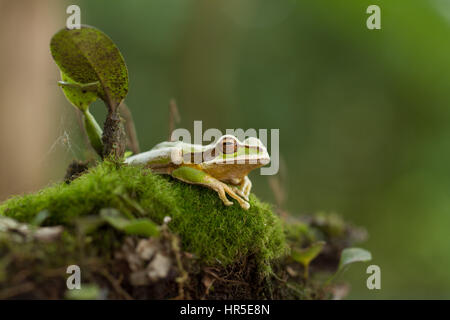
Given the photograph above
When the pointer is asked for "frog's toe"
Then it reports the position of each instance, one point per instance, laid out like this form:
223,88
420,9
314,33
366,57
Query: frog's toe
227,203
223,197
245,205
232,193
240,193
243,195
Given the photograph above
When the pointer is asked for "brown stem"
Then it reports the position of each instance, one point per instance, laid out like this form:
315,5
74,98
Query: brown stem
132,140
114,137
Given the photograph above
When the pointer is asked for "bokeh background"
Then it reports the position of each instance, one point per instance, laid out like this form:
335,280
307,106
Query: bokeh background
364,116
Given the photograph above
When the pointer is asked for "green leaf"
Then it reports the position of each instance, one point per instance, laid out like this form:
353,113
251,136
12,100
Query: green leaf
142,227
349,256
114,218
78,94
40,217
139,227
81,96
352,255
305,256
87,56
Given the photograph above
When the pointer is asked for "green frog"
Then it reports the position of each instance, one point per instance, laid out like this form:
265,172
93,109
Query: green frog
222,166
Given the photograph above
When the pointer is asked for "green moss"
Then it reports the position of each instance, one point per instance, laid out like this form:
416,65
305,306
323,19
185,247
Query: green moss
207,228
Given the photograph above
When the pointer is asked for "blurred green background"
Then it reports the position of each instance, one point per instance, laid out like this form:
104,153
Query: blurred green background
364,115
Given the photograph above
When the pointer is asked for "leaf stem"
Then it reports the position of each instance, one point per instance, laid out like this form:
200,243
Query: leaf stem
93,131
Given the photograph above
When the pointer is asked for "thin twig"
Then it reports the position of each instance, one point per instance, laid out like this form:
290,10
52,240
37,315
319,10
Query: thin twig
183,274
226,280
116,285
174,117
130,128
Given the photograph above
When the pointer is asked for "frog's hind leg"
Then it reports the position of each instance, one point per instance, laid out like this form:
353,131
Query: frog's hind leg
194,176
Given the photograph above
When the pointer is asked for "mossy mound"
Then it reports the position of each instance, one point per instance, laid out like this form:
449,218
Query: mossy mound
206,251
215,233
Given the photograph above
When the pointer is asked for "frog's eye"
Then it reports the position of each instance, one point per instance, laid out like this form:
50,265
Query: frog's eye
229,146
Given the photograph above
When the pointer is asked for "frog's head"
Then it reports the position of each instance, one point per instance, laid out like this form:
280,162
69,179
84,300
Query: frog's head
229,150
230,158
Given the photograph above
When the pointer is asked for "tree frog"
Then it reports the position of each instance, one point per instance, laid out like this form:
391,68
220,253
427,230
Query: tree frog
222,166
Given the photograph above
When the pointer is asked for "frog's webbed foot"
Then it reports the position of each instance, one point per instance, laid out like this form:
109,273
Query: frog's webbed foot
194,176
223,190
239,192
244,188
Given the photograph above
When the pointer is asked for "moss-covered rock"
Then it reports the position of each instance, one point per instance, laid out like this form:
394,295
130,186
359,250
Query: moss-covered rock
207,250
214,232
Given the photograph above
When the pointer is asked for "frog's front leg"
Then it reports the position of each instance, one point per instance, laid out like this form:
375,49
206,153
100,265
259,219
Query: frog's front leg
195,176
244,188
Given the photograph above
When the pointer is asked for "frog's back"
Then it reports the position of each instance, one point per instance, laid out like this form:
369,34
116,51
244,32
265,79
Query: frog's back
186,147
161,155
166,144
165,153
